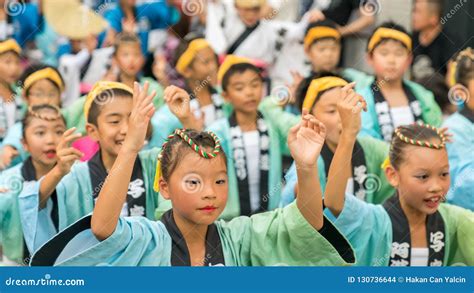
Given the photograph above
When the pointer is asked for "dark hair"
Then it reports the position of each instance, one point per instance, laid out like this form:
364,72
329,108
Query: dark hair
304,86
465,68
436,5
37,67
37,112
391,25
184,44
103,98
126,38
436,83
413,131
239,68
325,22
176,148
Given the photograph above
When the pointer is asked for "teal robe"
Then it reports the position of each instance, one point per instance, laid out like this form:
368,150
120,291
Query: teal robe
368,228
375,151
461,161
431,113
278,238
279,124
74,193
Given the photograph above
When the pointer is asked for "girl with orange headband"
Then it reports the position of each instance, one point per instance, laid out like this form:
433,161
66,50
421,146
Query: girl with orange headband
197,62
413,227
391,100
193,175
461,125
41,84
42,128
323,98
77,186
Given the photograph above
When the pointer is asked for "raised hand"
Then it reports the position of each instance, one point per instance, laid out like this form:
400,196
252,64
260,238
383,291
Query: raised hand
349,108
142,111
178,101
66,154
306,140
7,154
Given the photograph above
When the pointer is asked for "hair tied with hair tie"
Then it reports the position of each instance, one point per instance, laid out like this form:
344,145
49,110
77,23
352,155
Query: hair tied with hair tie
199,150
423,143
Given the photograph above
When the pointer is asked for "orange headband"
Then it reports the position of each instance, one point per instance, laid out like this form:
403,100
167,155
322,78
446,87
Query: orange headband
318,85
388,33
320,32
190,53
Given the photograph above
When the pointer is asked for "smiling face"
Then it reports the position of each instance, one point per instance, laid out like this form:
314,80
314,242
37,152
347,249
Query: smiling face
43,91
197,188
244,91
112,125
10,67
41,139
129,58
324,54
325,110
390,60
422,179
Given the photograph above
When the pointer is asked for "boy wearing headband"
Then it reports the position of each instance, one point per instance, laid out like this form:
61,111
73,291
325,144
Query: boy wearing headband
107,108
197,63
42,84
254,138
367,181
10,103
391,100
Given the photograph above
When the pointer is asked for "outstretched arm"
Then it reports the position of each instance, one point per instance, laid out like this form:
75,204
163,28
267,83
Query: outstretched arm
305,142
114,191
340,171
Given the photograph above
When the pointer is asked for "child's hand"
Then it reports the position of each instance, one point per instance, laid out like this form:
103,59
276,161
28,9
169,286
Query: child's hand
178,101
7,154
143,110
66,154
306,140
349,108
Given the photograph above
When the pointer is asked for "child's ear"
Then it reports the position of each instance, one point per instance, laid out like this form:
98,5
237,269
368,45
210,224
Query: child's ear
225,95
392,176
369,59
188,72
92,131
164,190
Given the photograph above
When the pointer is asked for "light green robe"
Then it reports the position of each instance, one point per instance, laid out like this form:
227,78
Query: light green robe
74,193
279,124
369,230
281,237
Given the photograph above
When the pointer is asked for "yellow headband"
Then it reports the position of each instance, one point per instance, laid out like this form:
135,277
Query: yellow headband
46,73
10,45
388,33
318,85
100,87
453,68
320,32
249,3
229,61
190,53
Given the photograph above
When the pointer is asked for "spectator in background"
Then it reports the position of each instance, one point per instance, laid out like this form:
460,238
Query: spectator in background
437,85
432,47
